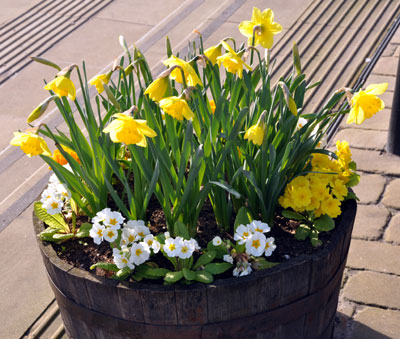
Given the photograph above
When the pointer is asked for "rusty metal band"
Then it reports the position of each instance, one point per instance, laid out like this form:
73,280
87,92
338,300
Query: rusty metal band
259,322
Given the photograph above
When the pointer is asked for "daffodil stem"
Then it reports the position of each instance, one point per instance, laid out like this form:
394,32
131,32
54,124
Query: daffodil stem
252,50
73,222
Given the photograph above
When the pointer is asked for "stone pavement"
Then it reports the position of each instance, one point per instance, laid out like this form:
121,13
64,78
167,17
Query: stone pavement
369,306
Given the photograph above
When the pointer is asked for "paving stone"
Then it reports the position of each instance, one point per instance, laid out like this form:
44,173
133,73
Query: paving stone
374,289
379,121
367,139
376,162
378,79
392,234
386,66
391,196
389,50
375,256
387,98
370,188
370,221
396,37
376,323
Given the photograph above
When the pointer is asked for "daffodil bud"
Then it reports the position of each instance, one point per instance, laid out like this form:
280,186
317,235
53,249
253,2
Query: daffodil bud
128,70
46,62
159,87
39,110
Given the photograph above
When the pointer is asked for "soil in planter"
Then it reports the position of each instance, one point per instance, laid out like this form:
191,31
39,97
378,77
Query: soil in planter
83,253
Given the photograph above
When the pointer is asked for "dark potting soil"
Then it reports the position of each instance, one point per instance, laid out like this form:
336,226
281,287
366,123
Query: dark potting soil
83,253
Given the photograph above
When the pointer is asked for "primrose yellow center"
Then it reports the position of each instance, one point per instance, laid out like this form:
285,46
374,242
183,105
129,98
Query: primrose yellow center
138,252
172,247
110,234
245,234
113,221
150,242
124,261
141,234
99,232
256,243
258,230
54,205
184,249
131,238
266,246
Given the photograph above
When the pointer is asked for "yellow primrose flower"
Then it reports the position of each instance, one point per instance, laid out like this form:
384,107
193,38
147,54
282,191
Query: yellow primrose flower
232,61
191,77
62,86
100,80
365,104
128,130
31,144
177,108
157,89
213,52
267,28
331,206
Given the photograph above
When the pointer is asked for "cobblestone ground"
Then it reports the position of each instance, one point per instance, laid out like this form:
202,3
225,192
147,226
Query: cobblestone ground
369,305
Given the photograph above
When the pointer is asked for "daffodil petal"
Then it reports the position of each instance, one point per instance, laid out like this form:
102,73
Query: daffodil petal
246,28
377,89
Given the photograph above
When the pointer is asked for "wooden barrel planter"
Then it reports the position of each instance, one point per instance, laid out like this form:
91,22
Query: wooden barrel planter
296,299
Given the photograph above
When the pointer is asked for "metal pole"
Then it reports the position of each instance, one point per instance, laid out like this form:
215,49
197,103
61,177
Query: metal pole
393,141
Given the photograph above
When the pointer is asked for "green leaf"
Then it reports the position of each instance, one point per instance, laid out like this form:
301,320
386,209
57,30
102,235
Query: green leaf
352,165
302,232
315,242
218,267
243,217
48,233
105,266
84,230
63,236
221,250
324,223
46,62
188,274
205,259
54,221
204,277
292,215
180,229
227,188
154,273
262,264
123,273
172,277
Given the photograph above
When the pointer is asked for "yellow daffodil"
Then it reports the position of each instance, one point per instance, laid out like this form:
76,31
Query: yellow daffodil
39,110
31,144
177,108
213,53
58,157
265,29
100,80
365,104
191,77
62,86
212,106
129,131
157,89
256,133
232,61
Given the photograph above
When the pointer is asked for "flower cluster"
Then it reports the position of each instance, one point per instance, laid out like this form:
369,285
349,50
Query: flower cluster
55,196
325,189
179,247
106,224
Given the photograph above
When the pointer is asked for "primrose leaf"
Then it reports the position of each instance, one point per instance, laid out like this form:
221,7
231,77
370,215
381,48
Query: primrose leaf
262,264
324,223
205,259
180,229
292,215
63,236
218,267
84,230
188,274
105,266
243,217
302,232
54,221
172,277
204,277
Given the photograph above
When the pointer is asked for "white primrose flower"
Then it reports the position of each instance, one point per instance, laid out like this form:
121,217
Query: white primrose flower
259,226
53,179
47,194
255,244
167,235
134,223
242,269
101,216
68,168
63,191
128,236
156,246
186,249
241,234
110,234
172,247
97,233
269,246
217,241
53,205
122,258
140,252
149,239
113,219
142,231
196,244
301,122
228,258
